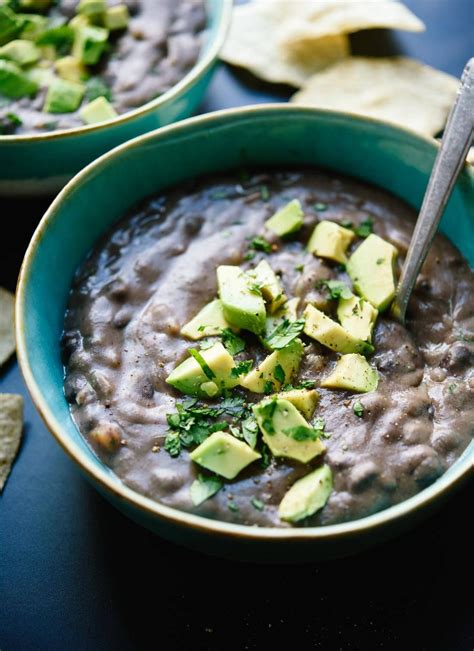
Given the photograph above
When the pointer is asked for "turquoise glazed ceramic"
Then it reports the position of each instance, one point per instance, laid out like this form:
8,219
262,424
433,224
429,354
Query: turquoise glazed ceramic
389,157
41,164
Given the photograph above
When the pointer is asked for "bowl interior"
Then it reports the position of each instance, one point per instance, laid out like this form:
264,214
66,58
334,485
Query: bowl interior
386,156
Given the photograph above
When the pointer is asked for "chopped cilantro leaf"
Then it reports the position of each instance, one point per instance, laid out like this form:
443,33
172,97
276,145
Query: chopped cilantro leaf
266,456
96,87
203,488
347,224
232,506
336,288
242,368
257,504
261,244
250,255
233,406
452,387
284,333
302,433
267,412
365,228
207,370
60,37
358,409
173,443
264,193
250,431
233,343
306,384
279,373
268,387
300,268
320,207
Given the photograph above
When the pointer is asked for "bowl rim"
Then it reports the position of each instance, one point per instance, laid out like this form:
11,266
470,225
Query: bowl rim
190,78
102,476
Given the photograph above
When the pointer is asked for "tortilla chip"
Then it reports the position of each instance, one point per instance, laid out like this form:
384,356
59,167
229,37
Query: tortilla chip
396,89
314,20
253,43
11,426
7,335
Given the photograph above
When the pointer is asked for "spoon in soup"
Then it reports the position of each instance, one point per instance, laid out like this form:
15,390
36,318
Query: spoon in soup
457,139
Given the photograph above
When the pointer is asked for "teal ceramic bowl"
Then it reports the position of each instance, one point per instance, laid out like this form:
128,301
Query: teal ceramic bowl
389,157
34,165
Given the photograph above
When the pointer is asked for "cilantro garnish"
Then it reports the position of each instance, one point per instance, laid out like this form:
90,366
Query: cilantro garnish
242,368
233,343
233,406
267,412
232,506
203,488
365,228
268,387
60,37
300,268
284,333
320,207
279,373
264,192
190,425
452,387
261,244
302,433
207,370
336,288
96,87
306,384
358,409
257,504
266,456
250,431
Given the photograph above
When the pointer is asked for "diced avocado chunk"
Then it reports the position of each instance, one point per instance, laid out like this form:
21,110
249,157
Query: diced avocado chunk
354,373
284,362
63,96
331,334
70,68
117,17
10,24
14,83
269,284
307,495
242,307
208,322
372,270
357,316
91,7
223,454
20,51
32,25
329,240
286,311
278,419
90,43
99,110
78,22
305,400
287,220
189,376
210,388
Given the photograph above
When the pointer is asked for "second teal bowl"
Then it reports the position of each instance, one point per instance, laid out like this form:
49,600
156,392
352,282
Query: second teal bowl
278,135
41,164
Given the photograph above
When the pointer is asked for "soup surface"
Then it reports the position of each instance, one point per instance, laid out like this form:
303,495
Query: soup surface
154,47
156,269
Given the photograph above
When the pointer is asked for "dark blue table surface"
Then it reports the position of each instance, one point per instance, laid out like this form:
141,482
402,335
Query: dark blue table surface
76,574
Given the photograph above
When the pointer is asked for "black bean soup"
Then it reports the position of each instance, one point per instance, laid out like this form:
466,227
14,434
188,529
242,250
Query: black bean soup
128,54
156,269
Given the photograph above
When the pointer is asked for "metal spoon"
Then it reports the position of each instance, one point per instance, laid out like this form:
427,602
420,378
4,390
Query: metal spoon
456,141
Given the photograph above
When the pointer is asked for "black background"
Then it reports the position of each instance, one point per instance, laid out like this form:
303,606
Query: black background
74,573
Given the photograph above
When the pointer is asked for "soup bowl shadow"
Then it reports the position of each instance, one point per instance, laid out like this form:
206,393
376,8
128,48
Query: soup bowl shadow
41,164
272,135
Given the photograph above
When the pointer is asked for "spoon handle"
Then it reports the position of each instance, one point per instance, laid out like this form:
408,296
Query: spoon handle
456,141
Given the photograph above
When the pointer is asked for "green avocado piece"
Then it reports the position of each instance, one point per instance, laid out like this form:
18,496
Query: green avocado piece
331,334
223,454
307,495
91,7
70,68
63,96
20,51
99,110
305,400
269,284
277,417
372,270
208,322
329,240
90,43
287,220
190,378
286,311
117,17
32,25
354,373
14,83
10,24
357,316
242,307
284,362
